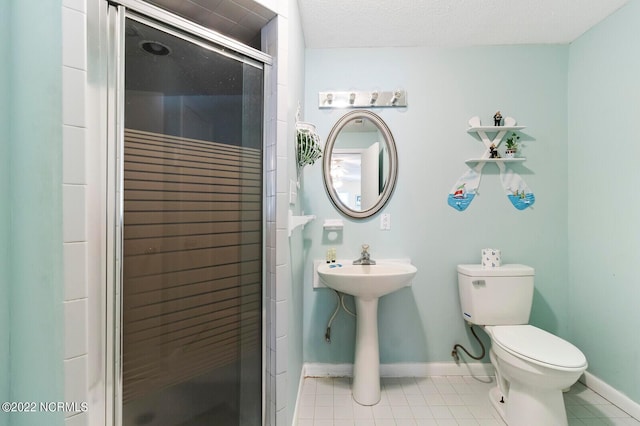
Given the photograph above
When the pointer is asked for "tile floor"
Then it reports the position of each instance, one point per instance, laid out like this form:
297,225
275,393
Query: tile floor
438,401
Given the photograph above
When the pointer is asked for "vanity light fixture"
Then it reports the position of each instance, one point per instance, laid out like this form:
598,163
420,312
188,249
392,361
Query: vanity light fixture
396,96
363,99
329,98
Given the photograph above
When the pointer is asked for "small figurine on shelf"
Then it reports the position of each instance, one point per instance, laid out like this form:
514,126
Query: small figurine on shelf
493,151
497,119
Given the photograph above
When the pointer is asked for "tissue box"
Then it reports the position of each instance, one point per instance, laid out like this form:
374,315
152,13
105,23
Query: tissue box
491,258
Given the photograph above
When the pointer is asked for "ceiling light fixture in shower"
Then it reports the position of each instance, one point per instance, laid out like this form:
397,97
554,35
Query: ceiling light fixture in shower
155,48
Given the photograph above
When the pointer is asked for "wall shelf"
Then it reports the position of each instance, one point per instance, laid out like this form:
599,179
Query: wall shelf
466,187
475,129
497,135
495,160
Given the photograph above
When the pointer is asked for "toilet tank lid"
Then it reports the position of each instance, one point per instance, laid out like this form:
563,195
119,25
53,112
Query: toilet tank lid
508,270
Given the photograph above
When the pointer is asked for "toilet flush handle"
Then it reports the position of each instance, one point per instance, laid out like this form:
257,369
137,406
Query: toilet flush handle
478,283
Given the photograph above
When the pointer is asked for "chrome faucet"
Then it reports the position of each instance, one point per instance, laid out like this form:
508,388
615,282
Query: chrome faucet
365,257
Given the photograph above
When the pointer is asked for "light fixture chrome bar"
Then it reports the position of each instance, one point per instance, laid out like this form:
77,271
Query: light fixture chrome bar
362,99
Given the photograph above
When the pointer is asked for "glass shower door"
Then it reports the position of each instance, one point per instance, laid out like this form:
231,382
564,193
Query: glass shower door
191,280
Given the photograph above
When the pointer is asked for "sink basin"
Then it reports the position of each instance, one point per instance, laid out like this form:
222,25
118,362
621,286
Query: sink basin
367,281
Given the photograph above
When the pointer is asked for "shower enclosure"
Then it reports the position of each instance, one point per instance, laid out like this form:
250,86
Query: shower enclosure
187,174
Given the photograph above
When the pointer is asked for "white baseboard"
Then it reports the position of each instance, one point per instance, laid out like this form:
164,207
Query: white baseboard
612,395
422,369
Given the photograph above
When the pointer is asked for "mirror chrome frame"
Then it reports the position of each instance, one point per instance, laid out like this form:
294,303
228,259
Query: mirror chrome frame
393,164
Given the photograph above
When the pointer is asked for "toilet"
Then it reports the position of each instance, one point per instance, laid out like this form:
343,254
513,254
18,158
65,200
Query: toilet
532,366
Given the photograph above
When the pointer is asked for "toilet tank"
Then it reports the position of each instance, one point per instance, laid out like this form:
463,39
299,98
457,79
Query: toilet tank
496,296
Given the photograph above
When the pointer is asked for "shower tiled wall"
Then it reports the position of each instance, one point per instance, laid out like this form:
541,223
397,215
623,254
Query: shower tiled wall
278,268
74,190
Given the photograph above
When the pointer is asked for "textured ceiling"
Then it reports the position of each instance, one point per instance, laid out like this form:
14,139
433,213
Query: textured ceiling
379,23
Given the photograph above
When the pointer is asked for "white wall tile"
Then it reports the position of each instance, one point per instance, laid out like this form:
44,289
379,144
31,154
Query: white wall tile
74,36
75,388
282,100
79,5
282,177
270,133
283,282
81,419
73,96
73,155
75,250
282,354
281,397
75,270
281,417
74,213
282,68
282,242
283,140
75,320
283,35
282,207
282,319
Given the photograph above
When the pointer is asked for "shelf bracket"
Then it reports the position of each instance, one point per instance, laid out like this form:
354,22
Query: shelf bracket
297,221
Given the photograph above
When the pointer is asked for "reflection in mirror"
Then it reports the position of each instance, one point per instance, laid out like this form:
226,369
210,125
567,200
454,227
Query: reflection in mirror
360,164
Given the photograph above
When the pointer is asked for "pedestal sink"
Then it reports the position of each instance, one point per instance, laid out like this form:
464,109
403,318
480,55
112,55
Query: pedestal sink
367,283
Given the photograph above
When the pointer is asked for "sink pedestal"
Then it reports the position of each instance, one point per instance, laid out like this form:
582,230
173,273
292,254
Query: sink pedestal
367,283
366,366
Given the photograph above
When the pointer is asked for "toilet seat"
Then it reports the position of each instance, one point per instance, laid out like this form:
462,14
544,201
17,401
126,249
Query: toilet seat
538,346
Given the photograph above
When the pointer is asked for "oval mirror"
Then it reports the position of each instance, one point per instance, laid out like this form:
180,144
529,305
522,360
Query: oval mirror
360,164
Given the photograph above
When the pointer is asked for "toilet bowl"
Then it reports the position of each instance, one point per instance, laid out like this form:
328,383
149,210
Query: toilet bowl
532,366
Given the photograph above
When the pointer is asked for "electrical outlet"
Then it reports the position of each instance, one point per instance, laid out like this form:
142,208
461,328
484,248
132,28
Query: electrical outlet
385,221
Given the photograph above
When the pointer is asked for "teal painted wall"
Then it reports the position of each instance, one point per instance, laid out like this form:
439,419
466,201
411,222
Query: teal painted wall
5,43
32,148
604,248
445,88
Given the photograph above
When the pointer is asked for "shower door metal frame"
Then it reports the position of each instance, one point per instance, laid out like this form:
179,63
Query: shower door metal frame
112,21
